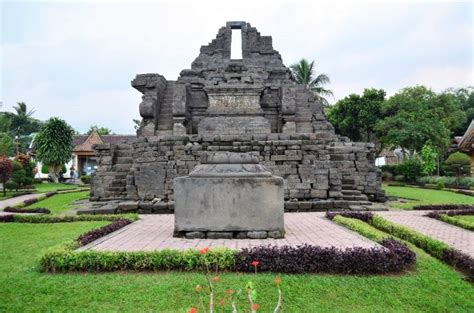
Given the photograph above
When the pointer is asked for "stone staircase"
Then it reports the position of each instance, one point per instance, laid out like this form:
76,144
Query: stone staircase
165,114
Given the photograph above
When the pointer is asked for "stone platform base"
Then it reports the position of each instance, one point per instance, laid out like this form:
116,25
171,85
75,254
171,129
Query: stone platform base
275,234
148,207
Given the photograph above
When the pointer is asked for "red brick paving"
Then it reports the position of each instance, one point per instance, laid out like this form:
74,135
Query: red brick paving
456,237
155,232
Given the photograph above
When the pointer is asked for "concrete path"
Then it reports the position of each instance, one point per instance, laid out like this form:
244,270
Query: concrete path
19,199
456,237
155,232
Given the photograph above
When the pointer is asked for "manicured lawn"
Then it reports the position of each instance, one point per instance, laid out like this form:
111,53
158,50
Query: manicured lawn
433,286
425,196
467,218
61,202
47,187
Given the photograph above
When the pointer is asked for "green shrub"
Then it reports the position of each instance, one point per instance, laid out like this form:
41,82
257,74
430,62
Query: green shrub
457,222
64,259
387,176
362,228
45,170
11,185
399,178
440,185
411,169
432,246
86,179
447,181
459,163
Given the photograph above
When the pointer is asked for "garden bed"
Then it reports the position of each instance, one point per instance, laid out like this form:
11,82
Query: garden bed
450,217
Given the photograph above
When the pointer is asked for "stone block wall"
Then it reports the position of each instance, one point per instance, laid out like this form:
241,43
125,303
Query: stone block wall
314,166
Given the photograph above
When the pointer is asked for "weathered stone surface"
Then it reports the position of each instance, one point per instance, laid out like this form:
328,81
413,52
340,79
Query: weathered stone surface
276,234
257,234
248,105
219,235
195,235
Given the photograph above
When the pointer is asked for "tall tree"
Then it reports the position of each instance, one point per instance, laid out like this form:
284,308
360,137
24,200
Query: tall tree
54,145
416,115
100,130
22,121
305,74
356,116
6,144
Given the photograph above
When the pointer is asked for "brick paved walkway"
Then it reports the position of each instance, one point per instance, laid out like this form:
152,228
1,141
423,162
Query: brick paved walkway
155,232
454,236
19,199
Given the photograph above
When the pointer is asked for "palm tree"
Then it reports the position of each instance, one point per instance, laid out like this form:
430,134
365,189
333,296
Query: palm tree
304,74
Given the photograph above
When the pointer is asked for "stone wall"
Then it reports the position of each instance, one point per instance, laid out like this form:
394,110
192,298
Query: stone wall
314,166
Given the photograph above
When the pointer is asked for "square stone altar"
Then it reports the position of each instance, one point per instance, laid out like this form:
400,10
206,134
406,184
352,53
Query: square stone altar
229,195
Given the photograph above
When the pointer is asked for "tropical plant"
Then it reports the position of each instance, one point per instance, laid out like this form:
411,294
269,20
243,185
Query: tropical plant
54,145
428,159
6,169
304,73
22,121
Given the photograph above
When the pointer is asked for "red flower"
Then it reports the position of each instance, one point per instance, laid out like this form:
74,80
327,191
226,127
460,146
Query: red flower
255,263
216,279
203,250
255,306
192,310
222,302
277,280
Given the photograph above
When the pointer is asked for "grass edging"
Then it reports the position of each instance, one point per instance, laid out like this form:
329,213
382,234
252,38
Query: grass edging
394,258
436,248
447,217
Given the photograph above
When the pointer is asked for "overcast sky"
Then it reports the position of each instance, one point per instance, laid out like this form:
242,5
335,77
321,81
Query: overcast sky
76,60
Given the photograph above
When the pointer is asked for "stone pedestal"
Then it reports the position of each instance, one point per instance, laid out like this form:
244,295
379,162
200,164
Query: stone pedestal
229,195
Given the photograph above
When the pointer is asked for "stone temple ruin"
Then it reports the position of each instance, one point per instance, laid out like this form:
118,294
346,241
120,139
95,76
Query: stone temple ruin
248,105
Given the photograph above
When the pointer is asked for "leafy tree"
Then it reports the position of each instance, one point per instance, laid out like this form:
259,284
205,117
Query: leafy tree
304,74
428,159
6,169
100,130
54,145
465,100
18,177
458,162
5,122
414,116
6,144
356,116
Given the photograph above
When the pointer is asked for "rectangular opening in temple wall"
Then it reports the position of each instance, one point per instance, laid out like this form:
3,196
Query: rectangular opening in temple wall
236,44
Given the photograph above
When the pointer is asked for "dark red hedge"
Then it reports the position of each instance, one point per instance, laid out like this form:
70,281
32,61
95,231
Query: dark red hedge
363,216
444,207
102,231
7,218
461,261
394,258
437,214
30,201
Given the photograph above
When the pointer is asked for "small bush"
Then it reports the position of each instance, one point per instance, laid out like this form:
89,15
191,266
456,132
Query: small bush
30,201
411,169
459,163
399,178
363,216
32,210
86,179
11,185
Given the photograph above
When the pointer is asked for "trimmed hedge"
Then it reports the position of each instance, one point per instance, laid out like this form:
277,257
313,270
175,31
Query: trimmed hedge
314,259
23,210
438,249
363,216
95,234
395,258
17,218
432,207
447,217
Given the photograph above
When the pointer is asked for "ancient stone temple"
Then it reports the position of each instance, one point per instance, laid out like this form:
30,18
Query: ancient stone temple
249,104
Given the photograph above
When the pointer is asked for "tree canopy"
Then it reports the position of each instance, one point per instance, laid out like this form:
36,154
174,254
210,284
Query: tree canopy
54,145
304,73
100,130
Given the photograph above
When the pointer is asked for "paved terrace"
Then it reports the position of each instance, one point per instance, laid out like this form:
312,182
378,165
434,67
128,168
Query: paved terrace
155,232
456,237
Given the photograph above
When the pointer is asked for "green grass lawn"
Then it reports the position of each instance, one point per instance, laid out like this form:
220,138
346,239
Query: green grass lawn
422,196
47,187
8,194
432,287
61,202
467,218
